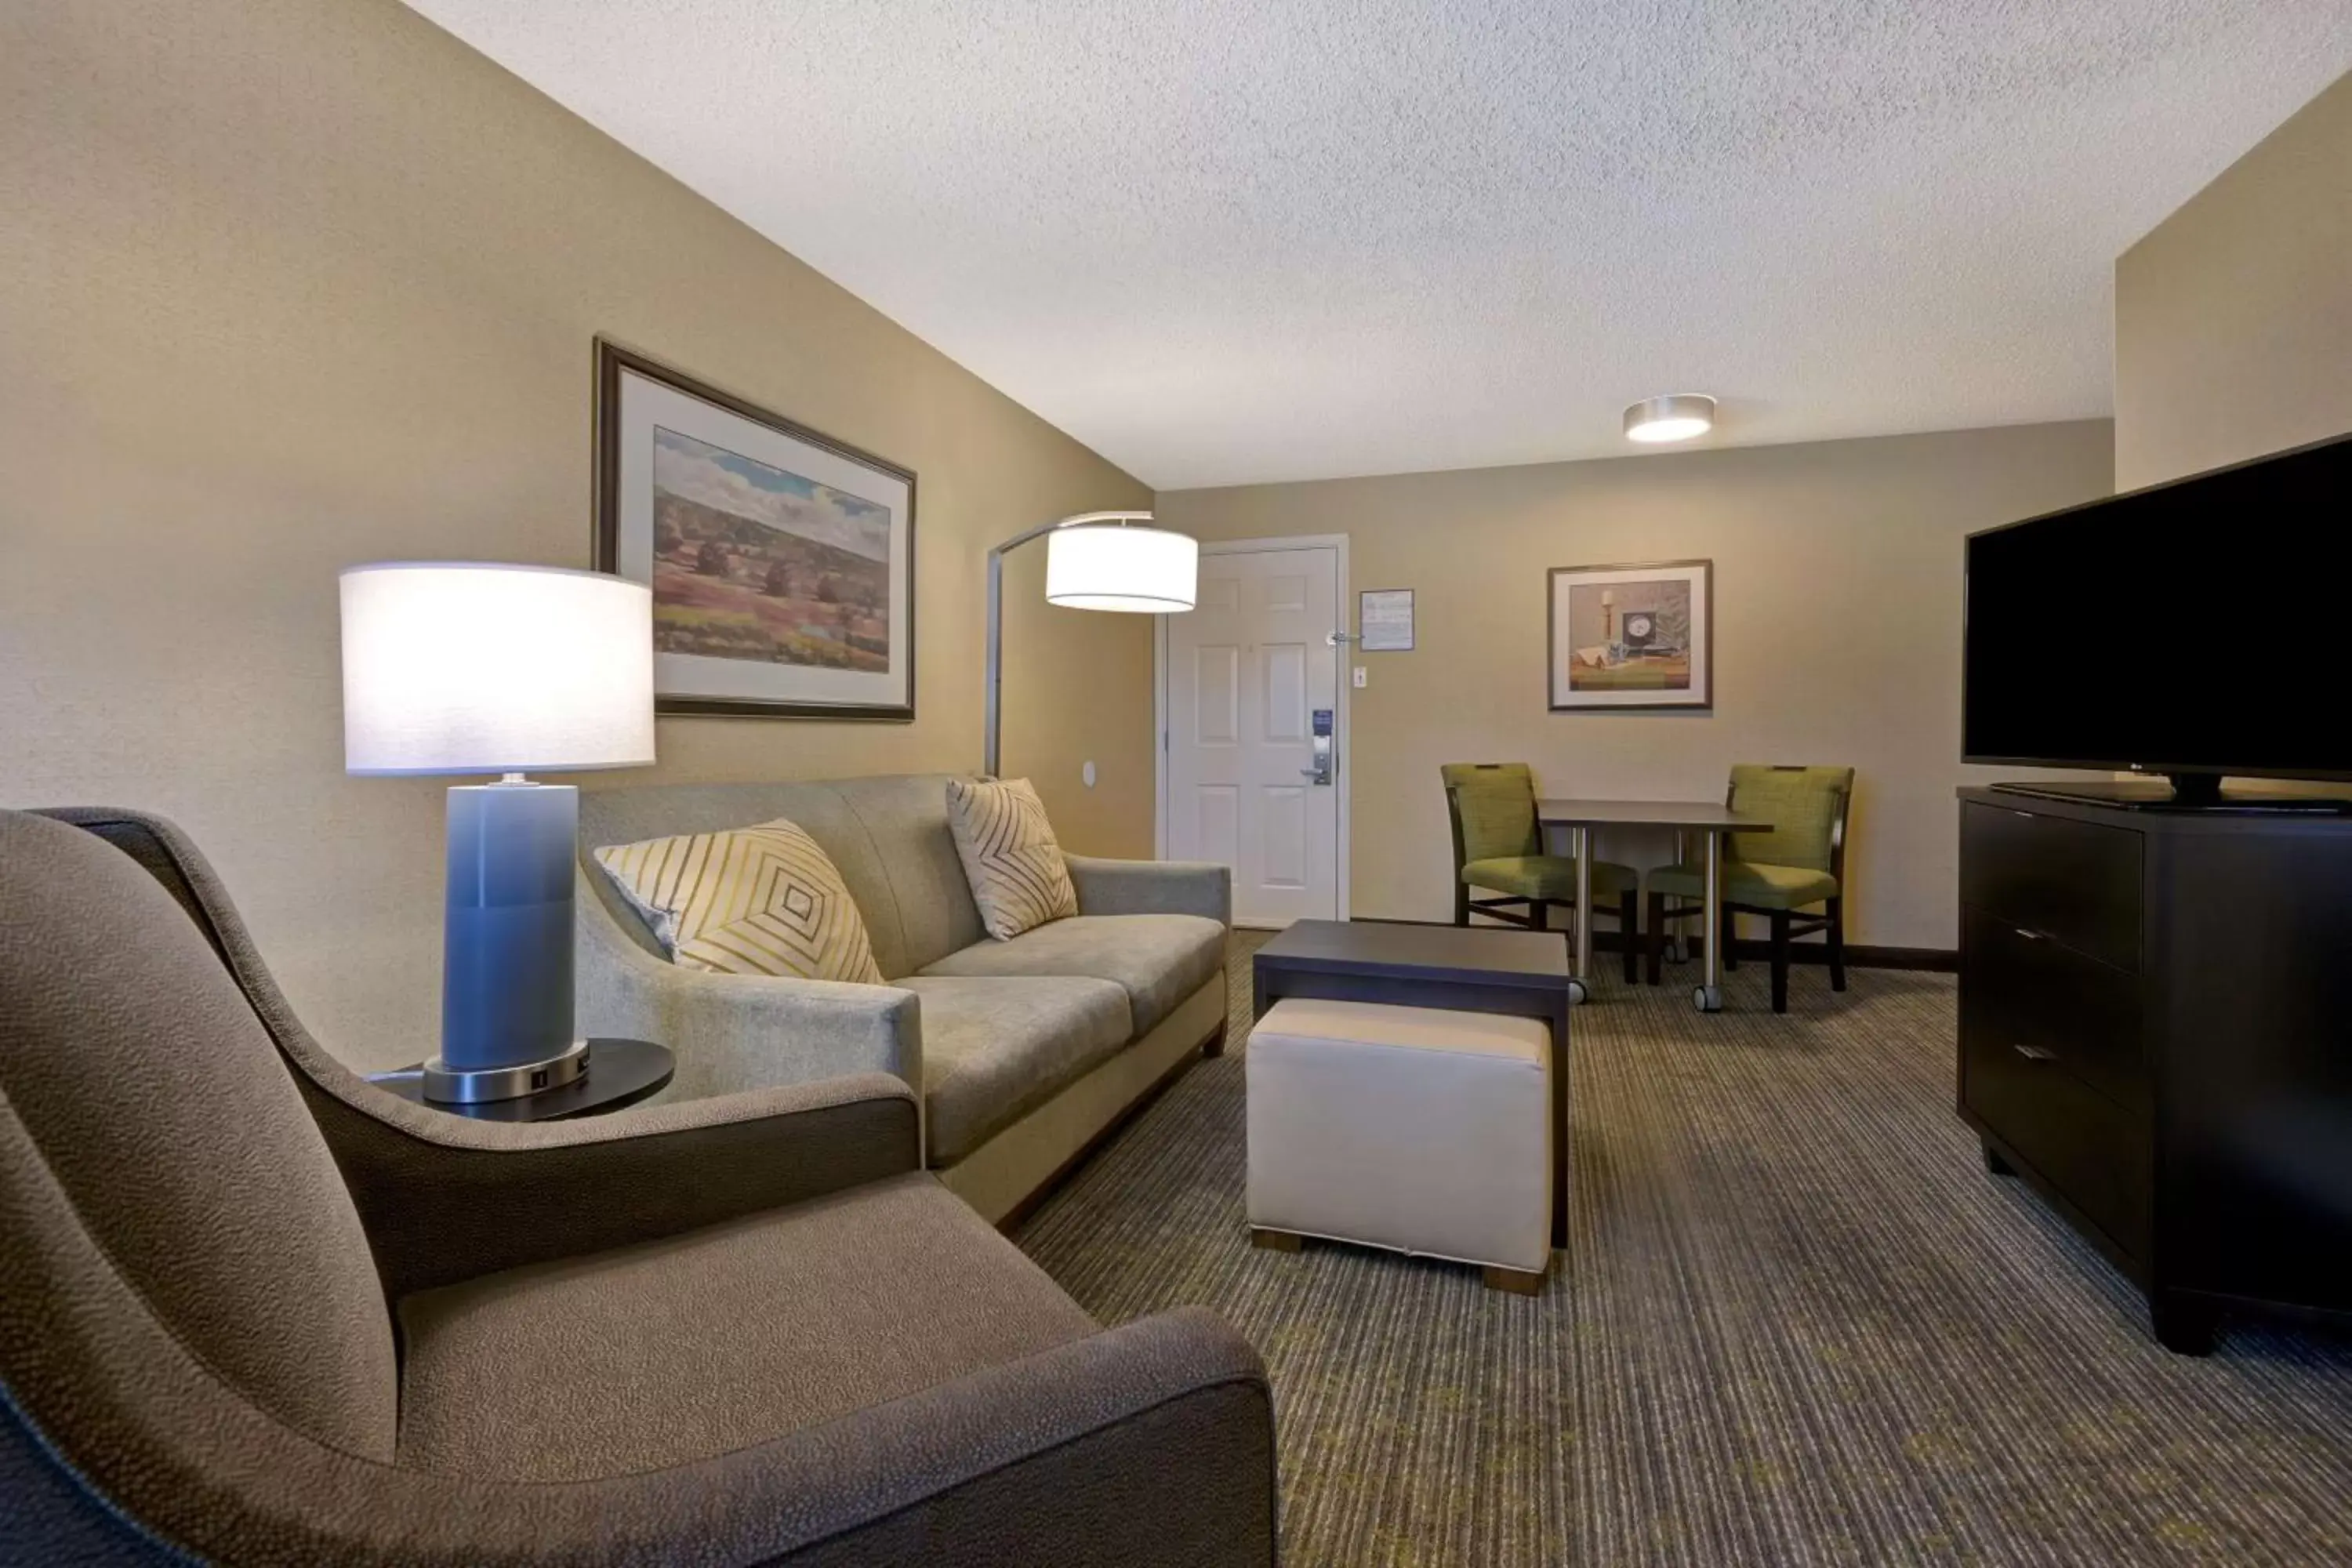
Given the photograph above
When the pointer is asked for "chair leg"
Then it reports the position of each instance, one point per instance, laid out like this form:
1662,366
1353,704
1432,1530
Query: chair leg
1779,961
1837,945
1538,919
1729,926
1657,935
1460,902
1629,932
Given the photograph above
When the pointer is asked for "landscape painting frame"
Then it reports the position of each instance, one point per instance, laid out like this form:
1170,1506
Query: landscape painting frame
782,561
1632,637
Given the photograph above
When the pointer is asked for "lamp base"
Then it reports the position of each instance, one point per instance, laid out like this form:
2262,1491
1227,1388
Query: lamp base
474,1086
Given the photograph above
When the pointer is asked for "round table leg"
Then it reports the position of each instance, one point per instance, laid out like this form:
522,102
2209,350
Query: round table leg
1708,998
1577,995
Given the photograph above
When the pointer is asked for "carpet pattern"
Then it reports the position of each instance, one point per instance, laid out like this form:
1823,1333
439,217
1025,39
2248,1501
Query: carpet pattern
1796,1323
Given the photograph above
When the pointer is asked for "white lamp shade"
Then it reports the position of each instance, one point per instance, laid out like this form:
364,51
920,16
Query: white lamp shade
463,667
1118,566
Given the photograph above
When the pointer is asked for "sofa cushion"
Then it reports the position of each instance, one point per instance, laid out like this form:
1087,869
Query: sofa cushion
1010,856
995,1049
767,1325
1159,959
748,900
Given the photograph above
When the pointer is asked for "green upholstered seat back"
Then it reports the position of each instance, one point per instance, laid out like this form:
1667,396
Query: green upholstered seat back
1803,804
1496,803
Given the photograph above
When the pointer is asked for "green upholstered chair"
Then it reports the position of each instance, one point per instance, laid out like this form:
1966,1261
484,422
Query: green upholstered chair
1800,863
1498,848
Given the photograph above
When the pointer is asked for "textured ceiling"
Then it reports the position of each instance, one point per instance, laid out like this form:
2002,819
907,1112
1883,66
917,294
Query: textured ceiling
1233,240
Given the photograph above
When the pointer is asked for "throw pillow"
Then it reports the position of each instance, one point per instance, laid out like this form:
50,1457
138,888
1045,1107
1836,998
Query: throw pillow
1009,855
751,901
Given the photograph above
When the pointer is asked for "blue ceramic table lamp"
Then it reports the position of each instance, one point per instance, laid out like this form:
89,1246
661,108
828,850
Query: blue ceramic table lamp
462,667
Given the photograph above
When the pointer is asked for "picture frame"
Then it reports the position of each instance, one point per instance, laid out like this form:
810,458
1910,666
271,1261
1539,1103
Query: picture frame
1632,637
781,561
1384,620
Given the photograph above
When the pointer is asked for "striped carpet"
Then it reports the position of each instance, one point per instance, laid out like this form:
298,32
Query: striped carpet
1796,1323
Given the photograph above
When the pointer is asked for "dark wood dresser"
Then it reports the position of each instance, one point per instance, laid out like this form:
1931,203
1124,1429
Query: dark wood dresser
2155,1031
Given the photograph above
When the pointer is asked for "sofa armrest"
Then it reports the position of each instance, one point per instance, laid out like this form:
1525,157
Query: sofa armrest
1152,888
737,1032
446,1198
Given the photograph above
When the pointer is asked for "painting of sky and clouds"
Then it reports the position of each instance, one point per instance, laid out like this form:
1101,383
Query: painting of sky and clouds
753,561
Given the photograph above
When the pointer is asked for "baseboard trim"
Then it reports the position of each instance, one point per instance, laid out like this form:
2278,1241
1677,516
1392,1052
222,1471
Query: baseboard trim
1937,960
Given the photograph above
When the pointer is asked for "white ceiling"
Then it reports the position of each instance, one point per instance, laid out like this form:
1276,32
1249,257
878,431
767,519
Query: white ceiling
1233,240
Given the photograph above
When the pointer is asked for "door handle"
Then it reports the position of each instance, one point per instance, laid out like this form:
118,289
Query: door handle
2034,1053
2028,935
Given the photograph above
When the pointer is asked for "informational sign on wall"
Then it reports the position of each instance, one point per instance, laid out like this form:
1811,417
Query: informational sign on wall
1384,620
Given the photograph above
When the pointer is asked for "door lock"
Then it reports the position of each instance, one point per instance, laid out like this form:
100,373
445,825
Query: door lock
1321,772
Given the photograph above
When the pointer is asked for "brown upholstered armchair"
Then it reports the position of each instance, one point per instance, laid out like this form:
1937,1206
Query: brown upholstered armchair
258,1310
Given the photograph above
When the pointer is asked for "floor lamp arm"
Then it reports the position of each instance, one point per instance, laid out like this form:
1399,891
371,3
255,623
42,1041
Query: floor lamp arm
992,704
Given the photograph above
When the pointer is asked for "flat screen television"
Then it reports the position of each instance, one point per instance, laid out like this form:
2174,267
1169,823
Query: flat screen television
2193,629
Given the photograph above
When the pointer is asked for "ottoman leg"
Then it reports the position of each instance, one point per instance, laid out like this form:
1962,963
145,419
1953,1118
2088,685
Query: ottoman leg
1517,1281
1276,1240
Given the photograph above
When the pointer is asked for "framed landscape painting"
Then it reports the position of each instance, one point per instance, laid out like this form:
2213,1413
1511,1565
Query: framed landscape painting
782,561
1632,636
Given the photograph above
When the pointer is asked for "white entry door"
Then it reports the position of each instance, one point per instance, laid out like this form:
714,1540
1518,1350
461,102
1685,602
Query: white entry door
1251,674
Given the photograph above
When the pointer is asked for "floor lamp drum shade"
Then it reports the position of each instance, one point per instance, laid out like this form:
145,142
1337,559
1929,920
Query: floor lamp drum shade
1094,561
1121,566
472,668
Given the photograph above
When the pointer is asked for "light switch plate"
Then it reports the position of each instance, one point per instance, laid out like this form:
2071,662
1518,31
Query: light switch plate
1361,673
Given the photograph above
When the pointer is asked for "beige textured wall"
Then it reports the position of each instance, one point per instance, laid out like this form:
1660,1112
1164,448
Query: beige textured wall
1837,618
2234,316
285,286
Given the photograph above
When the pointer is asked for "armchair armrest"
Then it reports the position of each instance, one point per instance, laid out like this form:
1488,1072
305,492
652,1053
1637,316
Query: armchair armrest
1150,1446
443,1199
737,1032
1153,886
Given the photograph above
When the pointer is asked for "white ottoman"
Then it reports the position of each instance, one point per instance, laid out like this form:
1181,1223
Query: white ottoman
1417,1129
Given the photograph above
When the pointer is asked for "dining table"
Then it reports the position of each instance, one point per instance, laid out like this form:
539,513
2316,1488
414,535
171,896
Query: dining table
1711,820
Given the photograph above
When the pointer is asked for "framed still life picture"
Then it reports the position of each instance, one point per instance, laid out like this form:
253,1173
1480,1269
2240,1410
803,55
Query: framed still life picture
1632,636
782,561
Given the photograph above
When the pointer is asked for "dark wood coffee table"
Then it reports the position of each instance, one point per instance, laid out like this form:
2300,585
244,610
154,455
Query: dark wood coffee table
1523,973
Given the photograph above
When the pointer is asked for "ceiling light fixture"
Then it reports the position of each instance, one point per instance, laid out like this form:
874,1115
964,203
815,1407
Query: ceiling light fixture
1677,416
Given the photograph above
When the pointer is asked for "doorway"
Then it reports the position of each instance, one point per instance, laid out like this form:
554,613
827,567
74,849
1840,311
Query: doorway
1253,711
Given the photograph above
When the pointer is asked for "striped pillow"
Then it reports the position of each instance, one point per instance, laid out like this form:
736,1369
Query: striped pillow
1009,855
751,901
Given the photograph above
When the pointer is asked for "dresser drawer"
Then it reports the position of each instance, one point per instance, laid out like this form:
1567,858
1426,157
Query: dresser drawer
2095,1152
2019,987
2076,881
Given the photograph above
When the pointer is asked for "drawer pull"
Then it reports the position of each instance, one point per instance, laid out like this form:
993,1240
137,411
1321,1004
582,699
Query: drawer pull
2035,1053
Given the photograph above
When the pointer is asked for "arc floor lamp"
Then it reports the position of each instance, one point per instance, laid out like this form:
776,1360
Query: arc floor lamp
1094,561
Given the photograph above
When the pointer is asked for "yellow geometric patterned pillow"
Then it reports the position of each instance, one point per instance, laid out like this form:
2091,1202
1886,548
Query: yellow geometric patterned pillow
1016,868
751,901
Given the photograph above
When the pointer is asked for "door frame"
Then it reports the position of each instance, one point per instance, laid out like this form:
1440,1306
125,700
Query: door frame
1343,729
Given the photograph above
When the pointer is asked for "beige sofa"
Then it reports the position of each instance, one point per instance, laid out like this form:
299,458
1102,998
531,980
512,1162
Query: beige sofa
1022,1051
